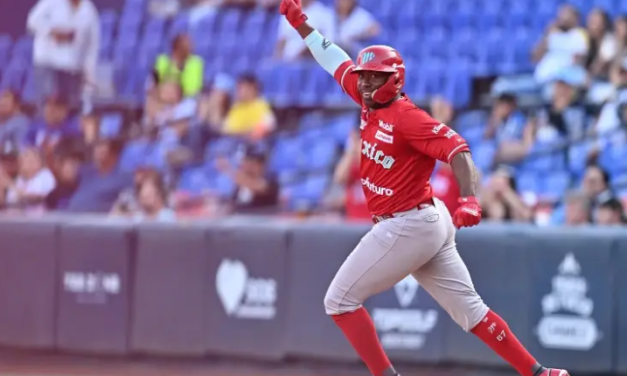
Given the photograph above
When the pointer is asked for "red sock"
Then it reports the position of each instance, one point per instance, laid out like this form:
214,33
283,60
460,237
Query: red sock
362,335
495,333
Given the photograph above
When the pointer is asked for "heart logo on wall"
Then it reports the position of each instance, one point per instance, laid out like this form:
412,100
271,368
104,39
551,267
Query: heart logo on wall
231,282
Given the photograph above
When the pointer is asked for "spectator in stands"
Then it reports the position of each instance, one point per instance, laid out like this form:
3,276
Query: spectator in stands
67,40
610,213
101,182
611,118
55,125
564,45
13,123
356,25
348,192
290,45
67,174
171,111
90,131
213,107
500,200
169,124
151,204
153,199
594,189
577,209
181,67
251,115
596,184
612,50
33,183
565,117
602,42
128,200
507,126
599,29
257,190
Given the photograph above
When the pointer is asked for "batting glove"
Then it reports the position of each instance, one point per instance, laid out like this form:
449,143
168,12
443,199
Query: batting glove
293,12
468,213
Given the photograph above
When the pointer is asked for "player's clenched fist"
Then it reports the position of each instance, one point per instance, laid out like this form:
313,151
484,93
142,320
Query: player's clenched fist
468,213
293,12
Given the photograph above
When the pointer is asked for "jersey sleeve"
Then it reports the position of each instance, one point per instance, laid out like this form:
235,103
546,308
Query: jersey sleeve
431,137
348,81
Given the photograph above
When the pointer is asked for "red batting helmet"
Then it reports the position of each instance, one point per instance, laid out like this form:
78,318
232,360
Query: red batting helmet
383,59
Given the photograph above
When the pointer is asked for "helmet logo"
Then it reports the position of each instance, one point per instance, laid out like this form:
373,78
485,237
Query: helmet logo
366,57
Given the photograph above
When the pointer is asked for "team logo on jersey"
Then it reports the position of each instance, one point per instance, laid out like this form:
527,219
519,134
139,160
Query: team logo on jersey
388,139
438,128
386,126
368,56
370,151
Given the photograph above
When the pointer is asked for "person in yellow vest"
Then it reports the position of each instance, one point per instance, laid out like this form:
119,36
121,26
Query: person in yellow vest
251,115
181,66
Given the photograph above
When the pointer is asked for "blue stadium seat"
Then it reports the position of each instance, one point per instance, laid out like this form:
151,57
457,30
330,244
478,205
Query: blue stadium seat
613,158
312,120
179,25
23,48
5,48
544,159
133,155
310,192
14,75
222,146
471,119
110,125
230,20
29,93
287,154
527,182
555,185
195,181
341,127
154,28
223,186
315,80
472,135
322,155
484,155
577,158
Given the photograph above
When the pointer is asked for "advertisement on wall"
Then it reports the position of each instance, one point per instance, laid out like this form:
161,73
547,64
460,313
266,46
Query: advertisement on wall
408,321
567,322
244,296
572,309
247,292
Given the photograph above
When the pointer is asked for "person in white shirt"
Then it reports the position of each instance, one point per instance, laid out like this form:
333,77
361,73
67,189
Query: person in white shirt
290,45
564,46
66,43
355,25
33,183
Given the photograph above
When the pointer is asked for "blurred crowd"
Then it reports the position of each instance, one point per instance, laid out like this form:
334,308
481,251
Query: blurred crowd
65,154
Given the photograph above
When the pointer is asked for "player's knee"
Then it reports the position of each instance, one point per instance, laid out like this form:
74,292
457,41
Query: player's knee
468,315
336,302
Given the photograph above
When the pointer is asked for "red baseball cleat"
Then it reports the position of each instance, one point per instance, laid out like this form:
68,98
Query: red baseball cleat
554,372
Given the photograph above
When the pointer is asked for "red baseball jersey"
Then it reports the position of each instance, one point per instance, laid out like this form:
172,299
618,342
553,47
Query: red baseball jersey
399,148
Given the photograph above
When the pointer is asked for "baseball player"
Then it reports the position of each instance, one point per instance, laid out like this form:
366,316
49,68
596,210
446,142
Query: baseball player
413,232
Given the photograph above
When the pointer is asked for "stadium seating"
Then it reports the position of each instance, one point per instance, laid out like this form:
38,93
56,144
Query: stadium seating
446,43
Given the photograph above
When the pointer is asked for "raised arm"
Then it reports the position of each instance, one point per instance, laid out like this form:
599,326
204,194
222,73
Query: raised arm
331,58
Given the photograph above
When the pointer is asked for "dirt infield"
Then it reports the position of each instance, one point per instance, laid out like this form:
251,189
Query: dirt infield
15,363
